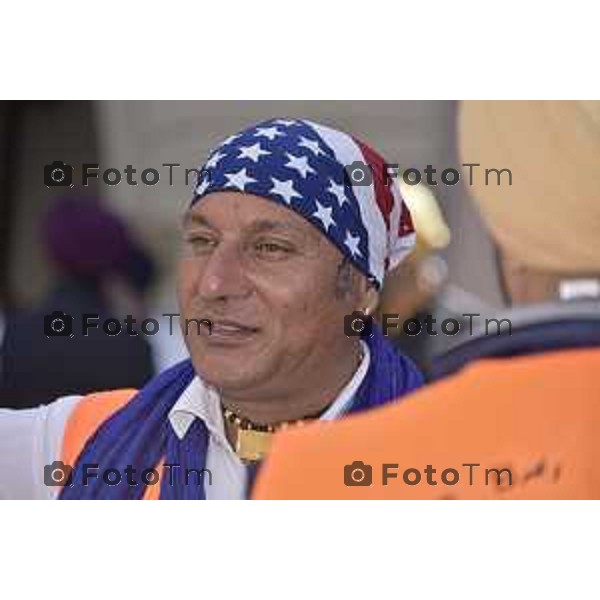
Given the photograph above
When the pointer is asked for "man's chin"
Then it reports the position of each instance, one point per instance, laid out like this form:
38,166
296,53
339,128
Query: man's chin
225,371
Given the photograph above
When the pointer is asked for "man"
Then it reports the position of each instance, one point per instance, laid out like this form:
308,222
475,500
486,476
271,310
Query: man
278,247
518,416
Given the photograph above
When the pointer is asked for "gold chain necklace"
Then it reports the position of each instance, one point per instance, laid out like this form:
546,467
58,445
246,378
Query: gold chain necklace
252,441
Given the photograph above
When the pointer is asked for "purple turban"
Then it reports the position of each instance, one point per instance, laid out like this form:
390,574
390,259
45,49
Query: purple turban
86,240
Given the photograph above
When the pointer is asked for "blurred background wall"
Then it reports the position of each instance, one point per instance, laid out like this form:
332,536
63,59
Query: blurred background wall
149,133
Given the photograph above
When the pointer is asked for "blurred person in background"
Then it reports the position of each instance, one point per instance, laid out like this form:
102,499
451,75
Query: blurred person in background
99,269
280,252
513,416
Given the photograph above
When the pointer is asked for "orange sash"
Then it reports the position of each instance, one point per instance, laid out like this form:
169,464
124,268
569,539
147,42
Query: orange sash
87,417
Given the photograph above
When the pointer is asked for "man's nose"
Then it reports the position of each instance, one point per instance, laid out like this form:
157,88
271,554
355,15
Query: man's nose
222,276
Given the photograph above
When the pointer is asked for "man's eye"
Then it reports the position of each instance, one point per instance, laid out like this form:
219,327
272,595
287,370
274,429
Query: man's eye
272,248
200,241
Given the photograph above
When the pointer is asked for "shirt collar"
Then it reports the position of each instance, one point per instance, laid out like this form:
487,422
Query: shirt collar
201,401
343,402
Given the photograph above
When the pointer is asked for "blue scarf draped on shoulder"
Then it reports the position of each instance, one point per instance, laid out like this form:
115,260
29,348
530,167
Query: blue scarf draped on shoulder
139,435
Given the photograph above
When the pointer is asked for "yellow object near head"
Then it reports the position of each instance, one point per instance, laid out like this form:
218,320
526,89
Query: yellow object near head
428,220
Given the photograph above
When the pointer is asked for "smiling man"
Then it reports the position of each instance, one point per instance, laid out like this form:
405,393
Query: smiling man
277,249
271,286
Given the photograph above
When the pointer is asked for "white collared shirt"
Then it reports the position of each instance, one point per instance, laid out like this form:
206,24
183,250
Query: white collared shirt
31,439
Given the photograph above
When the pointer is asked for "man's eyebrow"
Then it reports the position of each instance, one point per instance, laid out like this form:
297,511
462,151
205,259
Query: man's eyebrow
267,226
192,218
256,227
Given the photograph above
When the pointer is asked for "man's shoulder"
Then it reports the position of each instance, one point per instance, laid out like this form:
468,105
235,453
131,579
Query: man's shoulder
100,405
108,398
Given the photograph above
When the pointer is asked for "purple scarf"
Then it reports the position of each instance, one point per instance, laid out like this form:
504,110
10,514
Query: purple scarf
139,435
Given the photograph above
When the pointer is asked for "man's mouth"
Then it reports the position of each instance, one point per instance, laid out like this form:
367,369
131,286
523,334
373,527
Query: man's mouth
226,330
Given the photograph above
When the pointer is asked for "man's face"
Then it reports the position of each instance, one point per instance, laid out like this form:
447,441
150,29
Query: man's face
267,280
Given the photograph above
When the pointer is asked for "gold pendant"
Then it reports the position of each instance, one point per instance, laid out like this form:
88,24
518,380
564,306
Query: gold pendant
252,445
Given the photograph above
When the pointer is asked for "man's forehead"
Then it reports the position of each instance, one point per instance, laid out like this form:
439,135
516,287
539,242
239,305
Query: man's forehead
246,211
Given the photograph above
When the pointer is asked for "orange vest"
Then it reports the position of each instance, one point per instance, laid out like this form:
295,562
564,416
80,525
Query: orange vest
537,416
87,417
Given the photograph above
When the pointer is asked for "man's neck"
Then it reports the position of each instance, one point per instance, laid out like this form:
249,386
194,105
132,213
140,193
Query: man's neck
307,401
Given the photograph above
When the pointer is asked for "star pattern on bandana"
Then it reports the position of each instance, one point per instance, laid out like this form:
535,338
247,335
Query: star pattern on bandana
285,159
337,190
312,145
239,180
351,243
213,161
299,163
268,132
323,213
285,189
253,152
203,185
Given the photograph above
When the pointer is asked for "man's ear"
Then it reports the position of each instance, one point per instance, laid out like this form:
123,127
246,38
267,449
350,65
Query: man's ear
369,298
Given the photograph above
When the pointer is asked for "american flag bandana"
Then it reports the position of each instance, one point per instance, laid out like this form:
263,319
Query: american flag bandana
304,166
